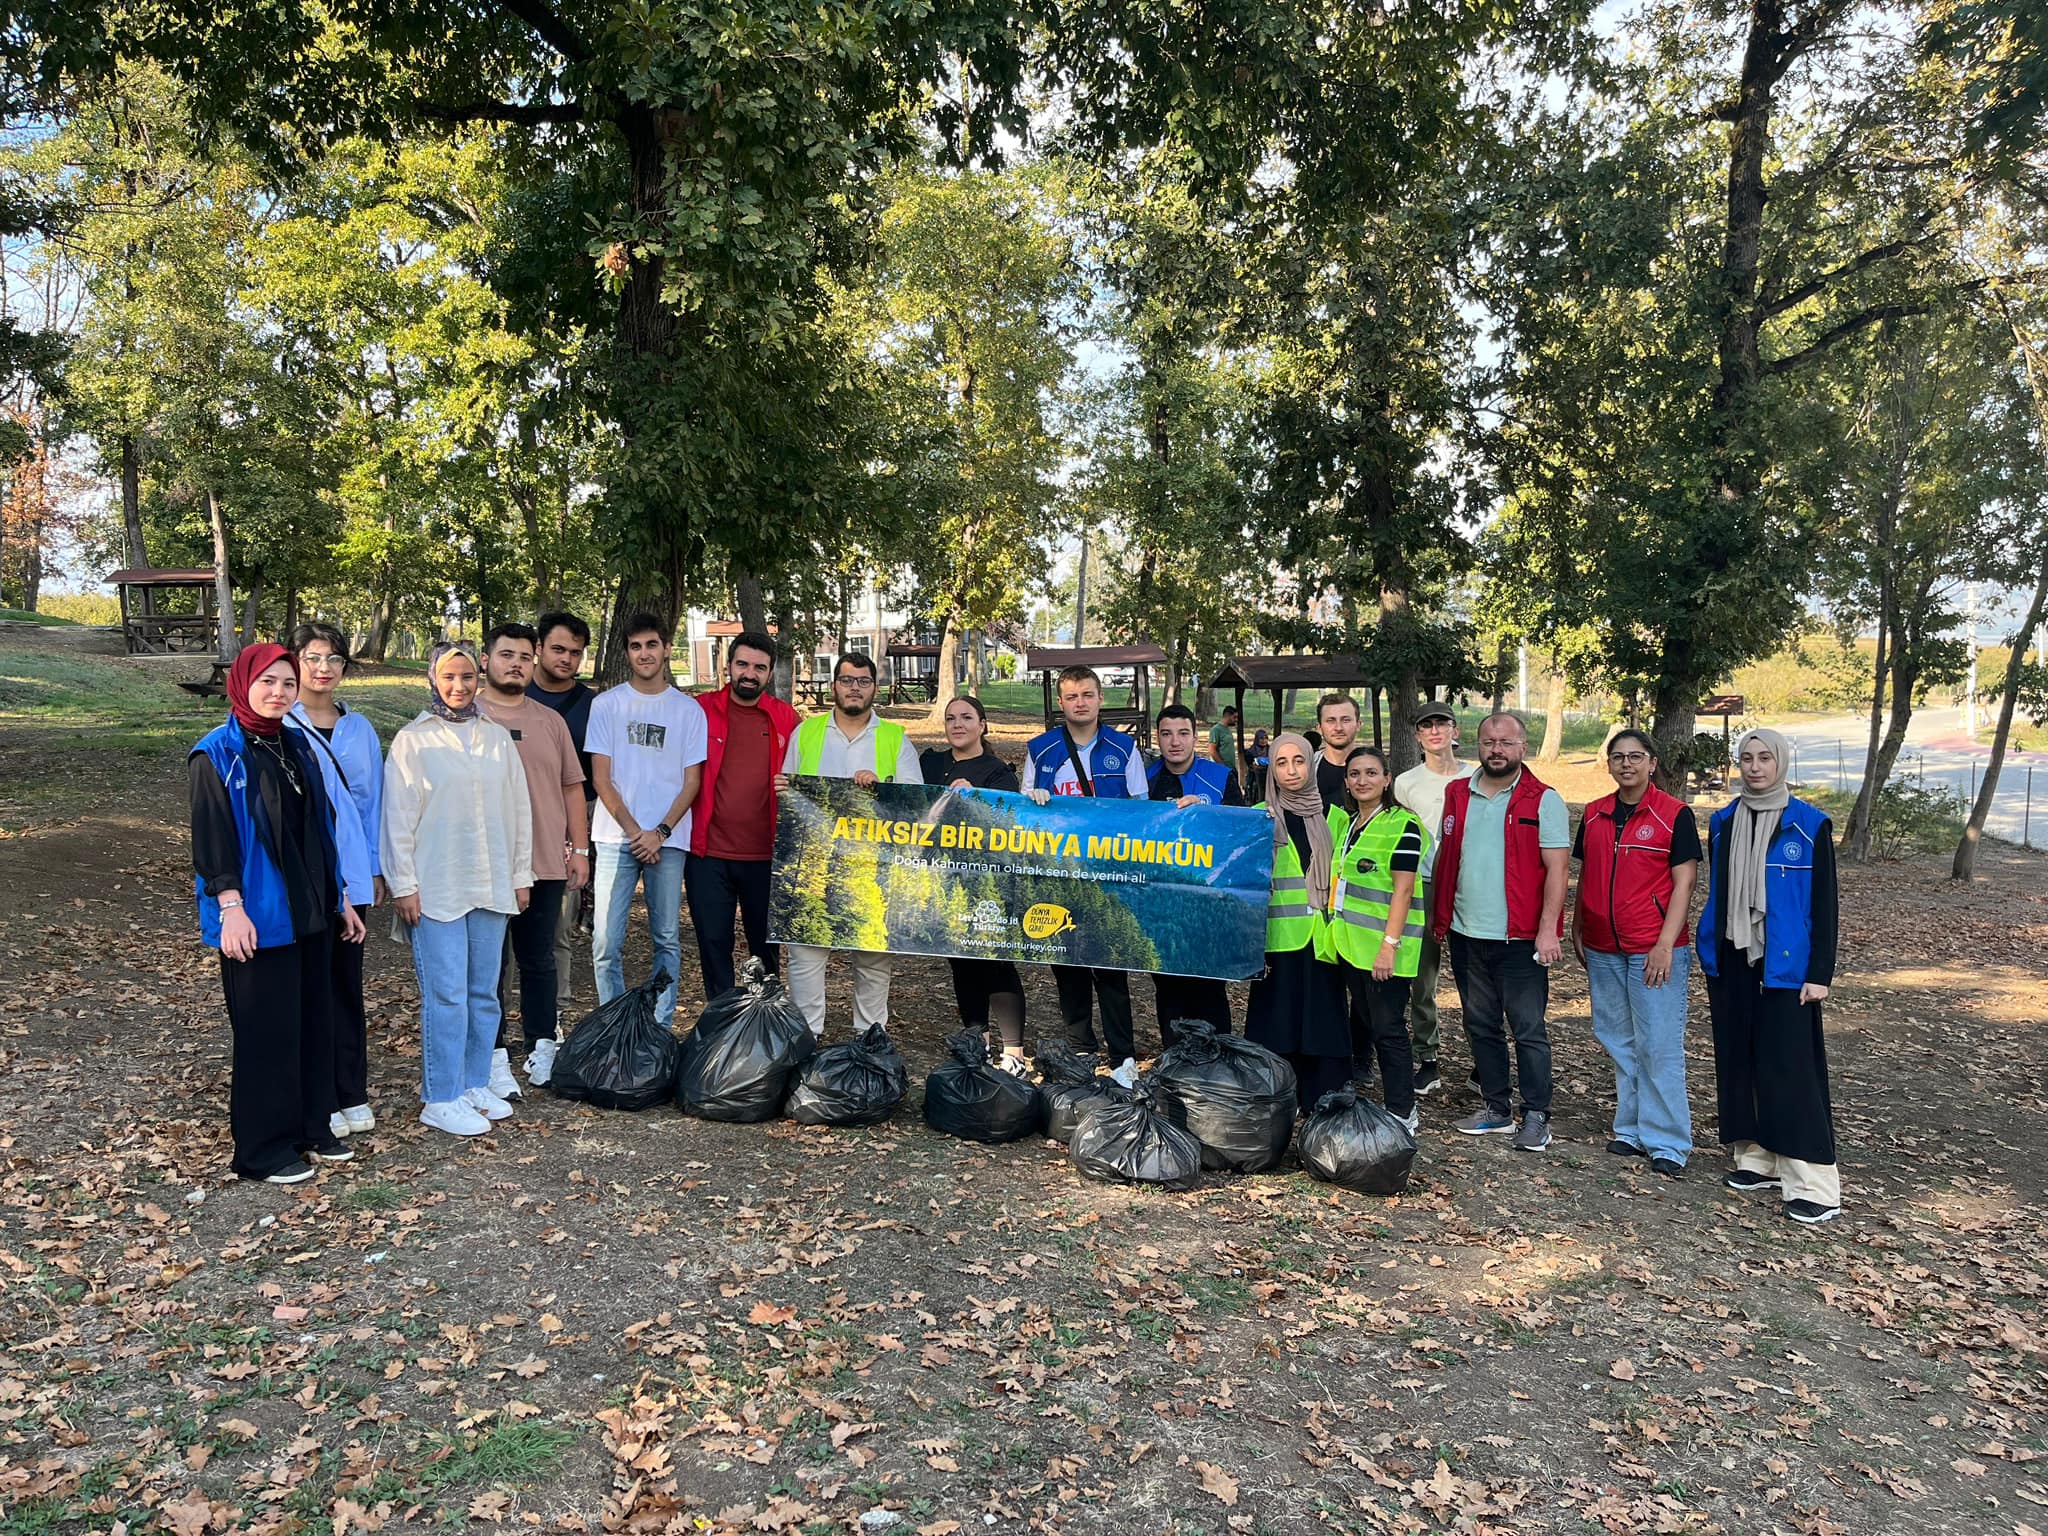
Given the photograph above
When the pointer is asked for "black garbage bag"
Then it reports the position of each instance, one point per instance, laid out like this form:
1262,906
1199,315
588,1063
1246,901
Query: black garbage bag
967,1097
1129,1140
1234,1094
1353,1142
621,1056
857,1082
748,1047
1071,1088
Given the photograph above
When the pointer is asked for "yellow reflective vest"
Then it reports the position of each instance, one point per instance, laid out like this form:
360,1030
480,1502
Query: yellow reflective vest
1362,896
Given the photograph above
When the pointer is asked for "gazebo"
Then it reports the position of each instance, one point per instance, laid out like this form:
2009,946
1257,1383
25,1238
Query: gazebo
913,672
147,630
1134,719
1278,674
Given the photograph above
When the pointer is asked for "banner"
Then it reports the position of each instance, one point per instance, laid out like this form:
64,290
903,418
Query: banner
1127,885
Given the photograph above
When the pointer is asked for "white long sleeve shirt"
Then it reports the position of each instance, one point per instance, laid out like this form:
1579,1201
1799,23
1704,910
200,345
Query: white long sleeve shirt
457,824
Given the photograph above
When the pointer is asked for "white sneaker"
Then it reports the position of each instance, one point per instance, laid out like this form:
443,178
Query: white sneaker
359,1119
337,1123
1126,1076
1414,1121
487,1103
1013,1062
503,1083
540,1062
455,1117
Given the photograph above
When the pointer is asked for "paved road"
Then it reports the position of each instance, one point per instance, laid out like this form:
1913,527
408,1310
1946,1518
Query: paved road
1830,755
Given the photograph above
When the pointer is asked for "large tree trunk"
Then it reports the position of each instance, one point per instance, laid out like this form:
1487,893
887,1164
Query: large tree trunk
223,591
1965,865
1856,835
753,605
1500,674
383,618
945,690
1553,714
1676,701
252,605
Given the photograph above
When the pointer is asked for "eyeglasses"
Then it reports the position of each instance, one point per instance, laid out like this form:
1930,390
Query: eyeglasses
1628,758
853,682
313,662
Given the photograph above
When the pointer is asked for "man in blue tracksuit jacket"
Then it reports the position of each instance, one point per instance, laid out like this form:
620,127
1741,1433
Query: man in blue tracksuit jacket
1181,777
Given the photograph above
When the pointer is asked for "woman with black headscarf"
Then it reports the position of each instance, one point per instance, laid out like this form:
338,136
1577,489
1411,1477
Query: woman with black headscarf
458,858
1767,943
270,900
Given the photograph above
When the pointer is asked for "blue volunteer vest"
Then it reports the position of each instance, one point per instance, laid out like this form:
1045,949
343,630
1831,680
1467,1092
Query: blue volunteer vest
1207,780
264,900
1107,760
1788,892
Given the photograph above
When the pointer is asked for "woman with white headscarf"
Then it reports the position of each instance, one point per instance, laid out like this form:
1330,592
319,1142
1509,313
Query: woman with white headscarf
1299,1007
458,858
1767,944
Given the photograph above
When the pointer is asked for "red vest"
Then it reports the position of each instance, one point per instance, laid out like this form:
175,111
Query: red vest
1524,873
781,724
1625,889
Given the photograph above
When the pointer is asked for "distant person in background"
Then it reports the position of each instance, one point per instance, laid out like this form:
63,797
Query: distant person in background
647,741
458,856
1183,779
1378,914
270,900
561,849
1297,1006
1081,756
1223,739
1639,854
852,742
732,837
1337,723
557,663
352,770
989,993
1258,757
1421,789
1767,943
1501,871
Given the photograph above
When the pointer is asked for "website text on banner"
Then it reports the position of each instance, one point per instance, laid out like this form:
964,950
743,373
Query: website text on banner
1128,885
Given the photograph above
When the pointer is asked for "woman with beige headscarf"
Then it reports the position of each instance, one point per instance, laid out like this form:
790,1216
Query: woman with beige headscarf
1299,1007
1767,944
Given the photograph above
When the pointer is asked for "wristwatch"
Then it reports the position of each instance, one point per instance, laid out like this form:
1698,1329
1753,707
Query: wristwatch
666,831
581,853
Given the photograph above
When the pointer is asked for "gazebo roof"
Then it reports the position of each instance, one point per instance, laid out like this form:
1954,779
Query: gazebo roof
1042,660
1295,672
151,576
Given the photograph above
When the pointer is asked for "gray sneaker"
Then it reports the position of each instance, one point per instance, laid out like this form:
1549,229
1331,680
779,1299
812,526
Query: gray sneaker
1484,1122
1534,1135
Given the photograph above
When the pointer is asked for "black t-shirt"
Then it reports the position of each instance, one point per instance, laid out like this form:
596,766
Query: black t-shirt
940,767
573,705
1330,781
1685,833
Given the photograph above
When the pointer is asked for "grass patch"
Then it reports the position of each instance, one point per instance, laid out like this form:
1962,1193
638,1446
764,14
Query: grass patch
46,620
375,1196
508,1453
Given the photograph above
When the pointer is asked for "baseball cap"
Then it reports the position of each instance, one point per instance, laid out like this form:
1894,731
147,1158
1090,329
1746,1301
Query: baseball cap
1434,712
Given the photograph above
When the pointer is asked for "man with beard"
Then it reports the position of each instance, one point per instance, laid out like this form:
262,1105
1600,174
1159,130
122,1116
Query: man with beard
1337,724
1502,866
558,659
732,841
852,742
561,847
1184,779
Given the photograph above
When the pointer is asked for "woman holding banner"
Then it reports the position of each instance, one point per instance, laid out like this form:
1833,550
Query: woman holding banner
1297,1007
987,991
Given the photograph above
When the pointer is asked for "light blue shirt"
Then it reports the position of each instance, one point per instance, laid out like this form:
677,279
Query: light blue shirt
352,767
1479,910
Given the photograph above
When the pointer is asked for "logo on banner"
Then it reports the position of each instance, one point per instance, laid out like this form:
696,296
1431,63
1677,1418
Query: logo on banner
1047,919
988,917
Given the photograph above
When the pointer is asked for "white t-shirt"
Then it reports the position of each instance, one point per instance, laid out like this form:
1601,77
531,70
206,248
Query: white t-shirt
651,739
1421,789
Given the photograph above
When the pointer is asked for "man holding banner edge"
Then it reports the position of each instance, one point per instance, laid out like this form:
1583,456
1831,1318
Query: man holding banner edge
1184,779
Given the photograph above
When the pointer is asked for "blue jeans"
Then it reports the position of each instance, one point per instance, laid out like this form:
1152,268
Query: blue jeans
612,882
1643,1029
457,966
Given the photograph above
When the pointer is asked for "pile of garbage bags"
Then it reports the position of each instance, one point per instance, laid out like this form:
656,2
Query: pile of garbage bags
1233,1094
746,1052
1127,1138
1071,1087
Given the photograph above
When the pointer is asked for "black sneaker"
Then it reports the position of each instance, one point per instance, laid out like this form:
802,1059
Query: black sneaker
1622,1148
1427,1079
1745,1182
1670,1167
1811,1212
332,1150
296,1172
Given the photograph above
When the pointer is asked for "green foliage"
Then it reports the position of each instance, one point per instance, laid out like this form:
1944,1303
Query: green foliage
1911,819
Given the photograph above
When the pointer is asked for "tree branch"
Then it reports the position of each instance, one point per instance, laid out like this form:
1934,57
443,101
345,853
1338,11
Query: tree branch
553,30
529,113
1825,280
1841,330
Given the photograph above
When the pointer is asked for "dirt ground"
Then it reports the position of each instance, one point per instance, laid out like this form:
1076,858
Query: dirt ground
592,1320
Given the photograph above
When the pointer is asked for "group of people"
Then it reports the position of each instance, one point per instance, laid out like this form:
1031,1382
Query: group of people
518,785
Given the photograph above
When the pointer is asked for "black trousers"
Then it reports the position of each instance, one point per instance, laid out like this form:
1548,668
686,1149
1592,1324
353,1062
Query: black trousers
1189,997
1080,988
977,983
530,935
1379,1031
1502,988
716,890
281,1088
1315,1076
1770,1064
351,1031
